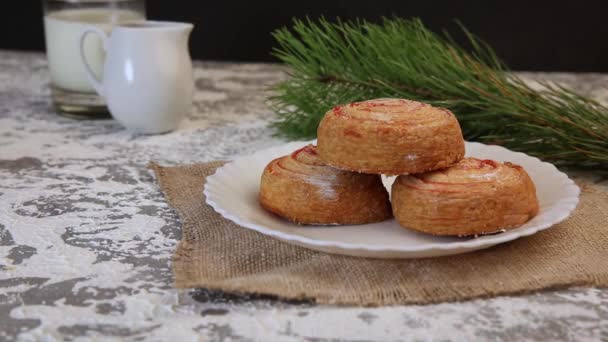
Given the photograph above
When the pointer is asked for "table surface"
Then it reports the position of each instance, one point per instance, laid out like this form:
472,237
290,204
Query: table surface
86,237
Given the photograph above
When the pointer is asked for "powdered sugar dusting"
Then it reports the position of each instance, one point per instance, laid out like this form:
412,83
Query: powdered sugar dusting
325,186
380,116
489,175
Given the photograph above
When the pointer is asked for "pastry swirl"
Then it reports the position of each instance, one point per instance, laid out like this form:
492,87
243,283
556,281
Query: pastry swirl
472,197
390,136
303,189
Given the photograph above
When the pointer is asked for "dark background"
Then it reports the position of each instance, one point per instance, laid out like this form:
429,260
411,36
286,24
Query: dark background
528,35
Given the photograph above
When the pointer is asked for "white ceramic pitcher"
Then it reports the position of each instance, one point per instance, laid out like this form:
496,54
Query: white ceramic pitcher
147,78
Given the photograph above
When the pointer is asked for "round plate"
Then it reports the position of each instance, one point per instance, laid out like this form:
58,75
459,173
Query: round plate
233,192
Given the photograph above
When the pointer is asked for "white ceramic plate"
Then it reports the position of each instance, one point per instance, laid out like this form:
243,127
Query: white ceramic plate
233,192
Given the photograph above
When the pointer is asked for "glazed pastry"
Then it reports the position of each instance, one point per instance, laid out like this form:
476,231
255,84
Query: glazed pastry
472,197
302,189
390,136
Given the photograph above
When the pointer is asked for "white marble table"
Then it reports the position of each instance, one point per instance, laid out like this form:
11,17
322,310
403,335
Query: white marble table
86,237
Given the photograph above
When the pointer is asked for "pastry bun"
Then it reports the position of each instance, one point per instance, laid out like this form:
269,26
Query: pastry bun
303,189
472,197
390,136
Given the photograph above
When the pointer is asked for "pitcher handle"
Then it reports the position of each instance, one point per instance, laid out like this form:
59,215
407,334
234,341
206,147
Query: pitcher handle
93,80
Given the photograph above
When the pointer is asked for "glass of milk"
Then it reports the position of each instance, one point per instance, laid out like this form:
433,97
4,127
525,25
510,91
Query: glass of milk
64,21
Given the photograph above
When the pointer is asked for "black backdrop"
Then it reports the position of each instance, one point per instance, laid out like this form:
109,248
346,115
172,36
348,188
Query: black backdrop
528,35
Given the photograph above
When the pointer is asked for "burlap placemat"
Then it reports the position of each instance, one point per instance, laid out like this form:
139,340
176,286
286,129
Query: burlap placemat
217,254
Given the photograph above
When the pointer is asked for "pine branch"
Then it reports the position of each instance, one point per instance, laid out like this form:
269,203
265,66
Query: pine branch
342,62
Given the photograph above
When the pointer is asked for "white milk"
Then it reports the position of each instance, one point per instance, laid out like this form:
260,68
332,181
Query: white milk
63,29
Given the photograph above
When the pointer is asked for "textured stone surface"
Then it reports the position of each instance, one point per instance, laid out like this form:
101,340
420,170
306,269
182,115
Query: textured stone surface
86,237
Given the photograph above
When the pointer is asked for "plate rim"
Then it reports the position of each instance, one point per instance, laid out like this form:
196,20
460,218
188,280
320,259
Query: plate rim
567,206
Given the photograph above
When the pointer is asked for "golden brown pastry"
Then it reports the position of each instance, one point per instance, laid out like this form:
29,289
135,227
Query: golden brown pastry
390,136
302,189
472,197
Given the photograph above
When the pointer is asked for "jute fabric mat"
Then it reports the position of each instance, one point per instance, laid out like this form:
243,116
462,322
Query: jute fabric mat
217,254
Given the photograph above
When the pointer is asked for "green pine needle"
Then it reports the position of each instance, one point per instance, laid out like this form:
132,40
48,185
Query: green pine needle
342,62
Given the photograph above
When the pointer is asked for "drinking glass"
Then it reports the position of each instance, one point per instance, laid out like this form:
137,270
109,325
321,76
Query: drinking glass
64,21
